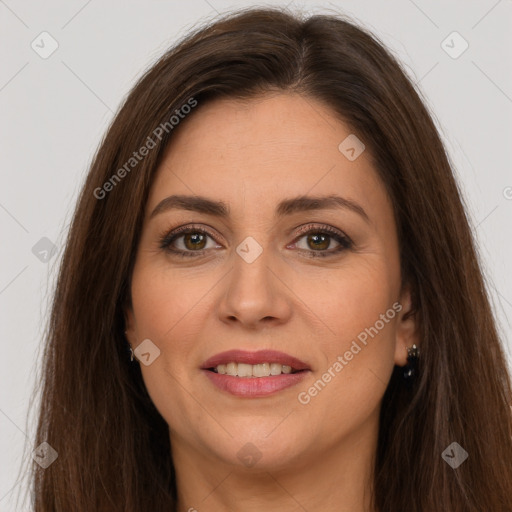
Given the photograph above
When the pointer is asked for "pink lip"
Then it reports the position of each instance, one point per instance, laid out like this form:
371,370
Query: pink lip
253,387
258,357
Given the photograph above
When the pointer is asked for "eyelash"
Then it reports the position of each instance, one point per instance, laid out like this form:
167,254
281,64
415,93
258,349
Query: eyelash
166,239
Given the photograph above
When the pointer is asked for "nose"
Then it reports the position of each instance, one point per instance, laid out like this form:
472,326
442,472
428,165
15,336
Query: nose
255,291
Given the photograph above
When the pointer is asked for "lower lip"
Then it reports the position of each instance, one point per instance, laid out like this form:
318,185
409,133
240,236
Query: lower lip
253,387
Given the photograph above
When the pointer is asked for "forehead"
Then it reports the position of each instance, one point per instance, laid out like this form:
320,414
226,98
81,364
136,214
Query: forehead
260,149
281,124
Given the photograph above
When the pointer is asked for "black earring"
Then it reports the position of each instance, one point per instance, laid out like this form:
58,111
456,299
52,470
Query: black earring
411,368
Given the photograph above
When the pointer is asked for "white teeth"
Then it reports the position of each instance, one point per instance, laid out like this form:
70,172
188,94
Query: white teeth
252,370
275,369
244,370
261,370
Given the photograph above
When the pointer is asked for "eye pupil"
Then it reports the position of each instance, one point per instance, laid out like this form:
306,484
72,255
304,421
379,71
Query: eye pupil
322,244
196,237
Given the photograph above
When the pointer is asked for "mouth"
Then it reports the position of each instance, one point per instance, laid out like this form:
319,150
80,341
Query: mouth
245,370
254,374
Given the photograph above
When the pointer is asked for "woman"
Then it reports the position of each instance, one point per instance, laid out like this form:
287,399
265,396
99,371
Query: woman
270,297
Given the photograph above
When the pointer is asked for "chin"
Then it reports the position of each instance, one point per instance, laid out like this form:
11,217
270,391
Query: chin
265,445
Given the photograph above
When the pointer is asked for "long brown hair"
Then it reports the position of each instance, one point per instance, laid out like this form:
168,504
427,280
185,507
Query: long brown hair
113,446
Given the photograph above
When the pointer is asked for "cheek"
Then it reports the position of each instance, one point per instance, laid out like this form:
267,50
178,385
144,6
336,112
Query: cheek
163,305
348,301
359,321
166,307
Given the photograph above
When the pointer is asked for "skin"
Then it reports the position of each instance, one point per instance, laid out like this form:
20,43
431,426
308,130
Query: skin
251,155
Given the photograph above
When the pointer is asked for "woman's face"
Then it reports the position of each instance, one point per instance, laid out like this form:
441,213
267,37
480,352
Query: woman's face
245,278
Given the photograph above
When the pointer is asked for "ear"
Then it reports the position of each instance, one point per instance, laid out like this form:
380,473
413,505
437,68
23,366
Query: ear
406,329
129,322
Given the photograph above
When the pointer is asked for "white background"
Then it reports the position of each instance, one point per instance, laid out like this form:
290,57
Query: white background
54,111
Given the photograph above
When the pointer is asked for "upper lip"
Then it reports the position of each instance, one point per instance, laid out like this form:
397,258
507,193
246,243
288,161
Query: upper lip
257,357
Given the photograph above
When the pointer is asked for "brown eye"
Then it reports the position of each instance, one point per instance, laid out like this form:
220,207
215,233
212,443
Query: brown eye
186,241
319,241
194,240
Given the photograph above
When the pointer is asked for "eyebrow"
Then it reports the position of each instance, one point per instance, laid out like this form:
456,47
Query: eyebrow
286,207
